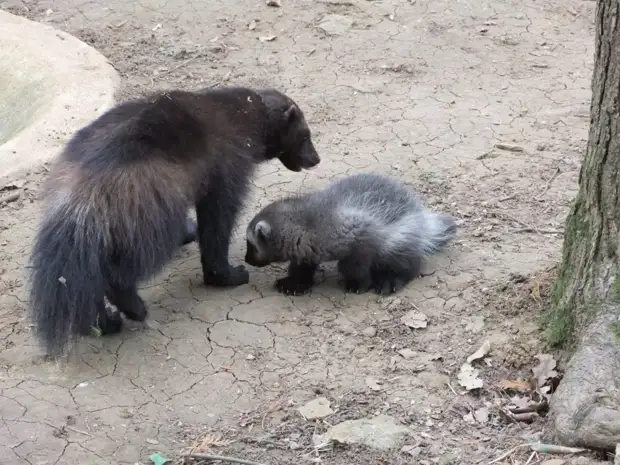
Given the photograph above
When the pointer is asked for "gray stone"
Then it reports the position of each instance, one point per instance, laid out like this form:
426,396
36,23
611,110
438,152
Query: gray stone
335,25
371,331
317,408
381,432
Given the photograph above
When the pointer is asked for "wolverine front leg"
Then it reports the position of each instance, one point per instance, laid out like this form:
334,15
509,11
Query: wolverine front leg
300,279
216,214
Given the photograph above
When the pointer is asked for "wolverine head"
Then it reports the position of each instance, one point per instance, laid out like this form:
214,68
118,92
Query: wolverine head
289,134
260,244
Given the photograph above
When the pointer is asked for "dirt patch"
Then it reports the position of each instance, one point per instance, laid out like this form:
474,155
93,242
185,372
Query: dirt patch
482,107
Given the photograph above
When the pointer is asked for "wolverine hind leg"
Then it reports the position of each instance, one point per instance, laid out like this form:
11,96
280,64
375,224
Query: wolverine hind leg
355,270
391,277
106,322
127,300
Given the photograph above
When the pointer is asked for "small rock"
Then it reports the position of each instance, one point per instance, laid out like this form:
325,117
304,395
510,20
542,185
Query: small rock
617,458
152,441
476,324
509,147
413,451
275,3
381,432
317,408
469,418
482,415
294,445
250,357
371,331
267,38
335,25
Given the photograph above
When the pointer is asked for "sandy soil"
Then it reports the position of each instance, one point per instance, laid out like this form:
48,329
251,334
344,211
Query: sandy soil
420,90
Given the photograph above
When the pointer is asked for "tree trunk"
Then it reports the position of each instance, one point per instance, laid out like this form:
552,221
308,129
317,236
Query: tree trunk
585,410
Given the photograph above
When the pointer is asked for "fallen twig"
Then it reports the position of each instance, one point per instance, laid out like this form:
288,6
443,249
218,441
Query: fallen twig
223,458
75,430
185,63
10,197
548,184
553,449
531,458
530,408
541,448
539,231
452,389
506,454
509,147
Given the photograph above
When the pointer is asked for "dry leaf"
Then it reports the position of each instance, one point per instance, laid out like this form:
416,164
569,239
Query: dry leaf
373,384
267,38
482,415
468,377
481,352
407,353
545,369
415,319
517,385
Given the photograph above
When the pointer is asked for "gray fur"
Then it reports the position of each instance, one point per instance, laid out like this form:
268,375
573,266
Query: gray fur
376,227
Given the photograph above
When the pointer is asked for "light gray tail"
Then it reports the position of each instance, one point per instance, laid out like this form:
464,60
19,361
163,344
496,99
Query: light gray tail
432,230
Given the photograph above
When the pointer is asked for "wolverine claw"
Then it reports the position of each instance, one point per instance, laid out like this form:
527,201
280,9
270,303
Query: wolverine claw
292,286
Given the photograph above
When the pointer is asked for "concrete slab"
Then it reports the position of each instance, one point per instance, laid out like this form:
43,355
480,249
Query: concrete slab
51,84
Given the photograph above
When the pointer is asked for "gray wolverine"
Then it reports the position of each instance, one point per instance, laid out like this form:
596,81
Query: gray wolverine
376,227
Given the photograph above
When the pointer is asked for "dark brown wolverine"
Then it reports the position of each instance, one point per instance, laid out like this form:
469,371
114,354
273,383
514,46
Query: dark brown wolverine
116,201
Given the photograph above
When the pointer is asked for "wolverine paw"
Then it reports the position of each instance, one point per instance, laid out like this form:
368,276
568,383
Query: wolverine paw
356,286
386,285
293,286
137,312
111,323
234,276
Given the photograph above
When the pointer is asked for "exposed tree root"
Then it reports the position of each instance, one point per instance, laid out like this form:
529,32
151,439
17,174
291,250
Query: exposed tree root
585,409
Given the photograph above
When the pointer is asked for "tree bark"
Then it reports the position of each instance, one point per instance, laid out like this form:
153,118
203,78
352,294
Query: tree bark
585,410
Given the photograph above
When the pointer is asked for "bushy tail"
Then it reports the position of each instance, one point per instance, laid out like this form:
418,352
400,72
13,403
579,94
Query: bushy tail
438,230
67,282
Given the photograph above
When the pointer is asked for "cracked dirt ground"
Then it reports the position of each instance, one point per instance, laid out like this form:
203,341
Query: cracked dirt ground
421,90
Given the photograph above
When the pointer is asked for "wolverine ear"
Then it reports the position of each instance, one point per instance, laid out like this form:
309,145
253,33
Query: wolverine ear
262,230
291,113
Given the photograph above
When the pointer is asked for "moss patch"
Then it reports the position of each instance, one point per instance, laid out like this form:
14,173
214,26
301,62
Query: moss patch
615,327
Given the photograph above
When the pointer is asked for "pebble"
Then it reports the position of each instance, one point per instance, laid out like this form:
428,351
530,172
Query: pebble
371,331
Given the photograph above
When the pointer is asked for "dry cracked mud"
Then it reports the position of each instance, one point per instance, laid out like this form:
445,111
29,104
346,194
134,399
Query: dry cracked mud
482,106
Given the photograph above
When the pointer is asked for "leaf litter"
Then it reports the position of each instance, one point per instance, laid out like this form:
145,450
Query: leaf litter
532,395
